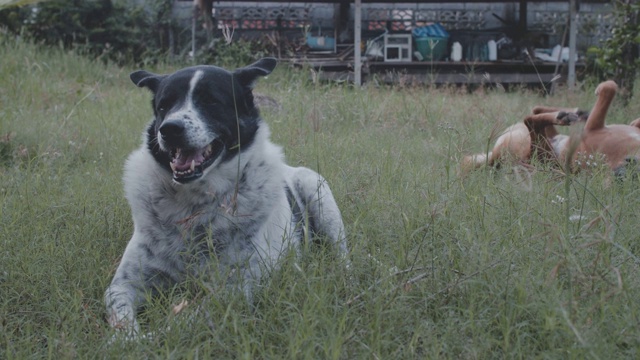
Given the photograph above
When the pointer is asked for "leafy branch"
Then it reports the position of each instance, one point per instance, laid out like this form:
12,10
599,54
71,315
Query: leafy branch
618,58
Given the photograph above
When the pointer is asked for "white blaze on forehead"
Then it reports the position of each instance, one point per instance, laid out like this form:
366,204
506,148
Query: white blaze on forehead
192,85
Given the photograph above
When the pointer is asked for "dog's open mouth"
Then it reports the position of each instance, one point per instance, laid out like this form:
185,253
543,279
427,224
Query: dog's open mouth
189,164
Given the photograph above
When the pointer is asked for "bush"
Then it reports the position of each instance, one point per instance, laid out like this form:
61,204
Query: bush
618,58
122,32
100,28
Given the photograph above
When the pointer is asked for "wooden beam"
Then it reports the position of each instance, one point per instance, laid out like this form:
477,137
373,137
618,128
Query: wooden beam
522,21
573,31
357,30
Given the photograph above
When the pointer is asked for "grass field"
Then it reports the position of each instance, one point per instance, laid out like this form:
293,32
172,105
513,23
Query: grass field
500,264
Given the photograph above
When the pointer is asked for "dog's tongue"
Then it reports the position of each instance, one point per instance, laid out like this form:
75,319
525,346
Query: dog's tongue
185,158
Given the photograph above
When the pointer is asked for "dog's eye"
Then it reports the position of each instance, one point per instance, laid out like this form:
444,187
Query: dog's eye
206,101
161,106
162,110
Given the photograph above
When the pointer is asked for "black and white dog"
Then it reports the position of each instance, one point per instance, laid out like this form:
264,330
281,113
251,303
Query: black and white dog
209,192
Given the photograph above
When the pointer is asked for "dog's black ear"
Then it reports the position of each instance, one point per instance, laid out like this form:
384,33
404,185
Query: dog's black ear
143,78
248,74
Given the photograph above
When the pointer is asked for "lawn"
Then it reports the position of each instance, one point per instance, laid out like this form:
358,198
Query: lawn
498,264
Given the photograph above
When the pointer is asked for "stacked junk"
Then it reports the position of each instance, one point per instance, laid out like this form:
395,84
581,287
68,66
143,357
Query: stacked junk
434,43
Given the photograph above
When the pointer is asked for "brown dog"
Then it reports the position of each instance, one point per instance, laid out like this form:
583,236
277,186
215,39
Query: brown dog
618,144
535,136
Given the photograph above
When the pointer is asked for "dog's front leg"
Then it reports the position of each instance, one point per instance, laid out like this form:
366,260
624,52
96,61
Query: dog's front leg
551,109
126,292
320,207
140,270
121,300
546,119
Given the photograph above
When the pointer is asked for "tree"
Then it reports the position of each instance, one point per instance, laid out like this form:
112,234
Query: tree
619,57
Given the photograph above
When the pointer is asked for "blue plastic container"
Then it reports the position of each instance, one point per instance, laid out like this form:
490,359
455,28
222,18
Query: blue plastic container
320,42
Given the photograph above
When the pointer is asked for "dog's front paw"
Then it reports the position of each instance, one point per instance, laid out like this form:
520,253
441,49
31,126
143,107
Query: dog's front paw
120,336
124,337
123,321
567,118
583,115
126,328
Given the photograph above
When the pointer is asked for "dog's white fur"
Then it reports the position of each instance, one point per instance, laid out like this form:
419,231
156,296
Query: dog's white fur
237,220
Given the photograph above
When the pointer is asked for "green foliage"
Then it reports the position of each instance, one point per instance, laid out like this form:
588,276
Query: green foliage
123,32
111,30
618,58
9,3
231,54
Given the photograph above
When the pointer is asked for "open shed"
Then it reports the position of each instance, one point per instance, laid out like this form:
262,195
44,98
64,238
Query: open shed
341,33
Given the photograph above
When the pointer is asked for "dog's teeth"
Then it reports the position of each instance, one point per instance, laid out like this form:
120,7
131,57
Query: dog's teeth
173,166
207,150
193,165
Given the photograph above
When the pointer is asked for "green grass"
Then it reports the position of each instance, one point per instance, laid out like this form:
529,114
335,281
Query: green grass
489,266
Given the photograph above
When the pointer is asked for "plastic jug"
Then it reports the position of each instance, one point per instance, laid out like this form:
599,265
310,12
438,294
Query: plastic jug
456,51
493,50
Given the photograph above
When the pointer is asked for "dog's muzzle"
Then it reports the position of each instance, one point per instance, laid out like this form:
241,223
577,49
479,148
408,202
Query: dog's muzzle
187,163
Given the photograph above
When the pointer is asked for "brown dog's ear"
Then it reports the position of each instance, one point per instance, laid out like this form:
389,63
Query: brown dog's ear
143,78
247,75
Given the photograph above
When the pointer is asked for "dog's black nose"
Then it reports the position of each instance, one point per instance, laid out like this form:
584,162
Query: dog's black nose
172,129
